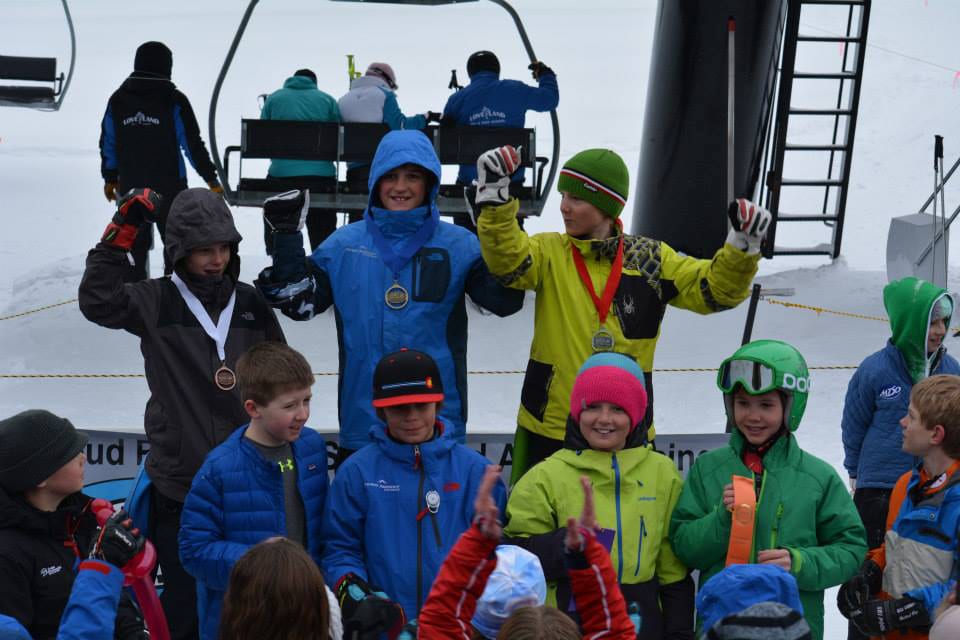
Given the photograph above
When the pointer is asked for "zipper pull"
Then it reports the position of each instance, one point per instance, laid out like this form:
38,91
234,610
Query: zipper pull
416,456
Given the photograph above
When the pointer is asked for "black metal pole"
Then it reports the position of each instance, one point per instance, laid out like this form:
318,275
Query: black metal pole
751,314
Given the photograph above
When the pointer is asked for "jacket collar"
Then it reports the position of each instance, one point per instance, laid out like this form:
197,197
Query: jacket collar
399,224
430,452
605,250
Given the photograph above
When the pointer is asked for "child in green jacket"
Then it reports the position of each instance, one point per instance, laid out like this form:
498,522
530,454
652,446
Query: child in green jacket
635,490
805,521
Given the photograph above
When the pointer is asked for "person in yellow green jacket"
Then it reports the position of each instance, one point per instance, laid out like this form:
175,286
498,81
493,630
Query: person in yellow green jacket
635,489
804,521
598,289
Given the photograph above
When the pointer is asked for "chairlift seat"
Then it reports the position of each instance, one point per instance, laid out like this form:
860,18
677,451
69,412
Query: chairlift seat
357,142
29,70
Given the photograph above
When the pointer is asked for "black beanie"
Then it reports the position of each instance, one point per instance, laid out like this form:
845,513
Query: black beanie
33,446
155,59
482,61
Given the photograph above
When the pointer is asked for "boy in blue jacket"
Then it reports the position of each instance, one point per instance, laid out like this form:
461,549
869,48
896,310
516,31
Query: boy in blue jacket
268,479
400,277
879,393
398,505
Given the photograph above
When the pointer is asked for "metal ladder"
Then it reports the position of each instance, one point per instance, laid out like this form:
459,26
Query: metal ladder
803,192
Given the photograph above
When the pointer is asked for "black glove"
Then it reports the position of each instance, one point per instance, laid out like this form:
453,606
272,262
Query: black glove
118,541
539,70
883,616
136,207
858,589
433,116
286,212
366,610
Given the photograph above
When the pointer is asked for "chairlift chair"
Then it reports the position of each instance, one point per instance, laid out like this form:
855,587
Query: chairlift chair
357,142
45,90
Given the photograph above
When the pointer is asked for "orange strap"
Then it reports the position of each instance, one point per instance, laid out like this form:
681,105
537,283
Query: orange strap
742,522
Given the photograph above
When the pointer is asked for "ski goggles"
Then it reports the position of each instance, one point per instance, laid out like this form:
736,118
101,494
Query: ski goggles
755,377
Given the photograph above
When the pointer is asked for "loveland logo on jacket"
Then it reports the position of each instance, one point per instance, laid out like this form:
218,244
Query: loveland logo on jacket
888,393
46,572
487,116
141,120
383,485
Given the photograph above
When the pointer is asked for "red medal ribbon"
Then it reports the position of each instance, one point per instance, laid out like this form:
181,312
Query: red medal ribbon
613,280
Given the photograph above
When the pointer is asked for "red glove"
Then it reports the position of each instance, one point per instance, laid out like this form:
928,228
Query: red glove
136,207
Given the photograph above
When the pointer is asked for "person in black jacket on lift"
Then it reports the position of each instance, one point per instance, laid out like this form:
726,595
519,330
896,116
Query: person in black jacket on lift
146,125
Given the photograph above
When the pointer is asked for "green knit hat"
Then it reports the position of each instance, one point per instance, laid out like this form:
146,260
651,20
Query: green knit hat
598,176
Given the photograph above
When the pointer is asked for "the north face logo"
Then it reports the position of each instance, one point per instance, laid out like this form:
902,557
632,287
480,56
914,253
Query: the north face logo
248,316
140,120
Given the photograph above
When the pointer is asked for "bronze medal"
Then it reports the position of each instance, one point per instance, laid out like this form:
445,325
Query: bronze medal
396,296
225,378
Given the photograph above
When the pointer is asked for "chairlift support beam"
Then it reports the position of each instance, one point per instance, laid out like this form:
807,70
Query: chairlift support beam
542,188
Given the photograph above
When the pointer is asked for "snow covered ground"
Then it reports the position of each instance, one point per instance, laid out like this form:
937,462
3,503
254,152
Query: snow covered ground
53,210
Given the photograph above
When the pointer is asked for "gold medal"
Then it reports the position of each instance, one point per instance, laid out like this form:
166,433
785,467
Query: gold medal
396,296
225,378
602,340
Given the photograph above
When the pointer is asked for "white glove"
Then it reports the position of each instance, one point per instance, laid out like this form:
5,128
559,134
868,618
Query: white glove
749,223
287,211
853,485
494,168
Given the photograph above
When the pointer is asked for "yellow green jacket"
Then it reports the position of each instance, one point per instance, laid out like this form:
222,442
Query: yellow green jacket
565,320
635,491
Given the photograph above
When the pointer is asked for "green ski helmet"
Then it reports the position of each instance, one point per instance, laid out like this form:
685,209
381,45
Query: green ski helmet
765,365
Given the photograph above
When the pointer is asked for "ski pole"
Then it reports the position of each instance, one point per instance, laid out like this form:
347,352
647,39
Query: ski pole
938,161
731,87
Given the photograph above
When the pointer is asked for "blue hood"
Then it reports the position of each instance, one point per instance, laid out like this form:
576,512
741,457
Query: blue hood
404,146
742,585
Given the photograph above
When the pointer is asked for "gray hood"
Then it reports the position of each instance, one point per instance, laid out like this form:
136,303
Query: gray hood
200,217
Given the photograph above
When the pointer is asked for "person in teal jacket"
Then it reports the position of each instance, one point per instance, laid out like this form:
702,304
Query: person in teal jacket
805,520
635,490
300,99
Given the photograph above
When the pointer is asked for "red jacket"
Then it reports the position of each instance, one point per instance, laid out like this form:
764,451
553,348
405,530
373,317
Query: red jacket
453,598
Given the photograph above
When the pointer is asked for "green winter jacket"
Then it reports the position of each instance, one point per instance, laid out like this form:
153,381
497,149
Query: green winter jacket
635,490
909,304
803,507
299,99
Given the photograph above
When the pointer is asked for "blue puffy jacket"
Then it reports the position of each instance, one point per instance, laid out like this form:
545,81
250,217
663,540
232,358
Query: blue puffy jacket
237,501
346,271
299,99
877,397
376,524
489,101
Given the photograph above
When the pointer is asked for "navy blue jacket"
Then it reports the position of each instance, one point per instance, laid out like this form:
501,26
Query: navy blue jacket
235,502
347,271
489,101
877,397
376,524
146,124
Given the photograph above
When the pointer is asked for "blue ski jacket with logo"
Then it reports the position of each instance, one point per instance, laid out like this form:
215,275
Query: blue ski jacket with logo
348,272
489,101
237,501
877,397
377,524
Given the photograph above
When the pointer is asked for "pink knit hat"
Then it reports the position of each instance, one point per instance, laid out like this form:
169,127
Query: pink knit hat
383,71
610,377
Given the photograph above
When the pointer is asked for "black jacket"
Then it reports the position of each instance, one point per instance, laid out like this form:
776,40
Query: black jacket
38,553
187,415
146,124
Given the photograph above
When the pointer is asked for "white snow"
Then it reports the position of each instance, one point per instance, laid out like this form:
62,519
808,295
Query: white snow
53,209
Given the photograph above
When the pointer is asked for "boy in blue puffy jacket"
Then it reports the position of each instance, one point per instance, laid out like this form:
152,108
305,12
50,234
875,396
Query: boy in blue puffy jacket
268,479
879,393
398,505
